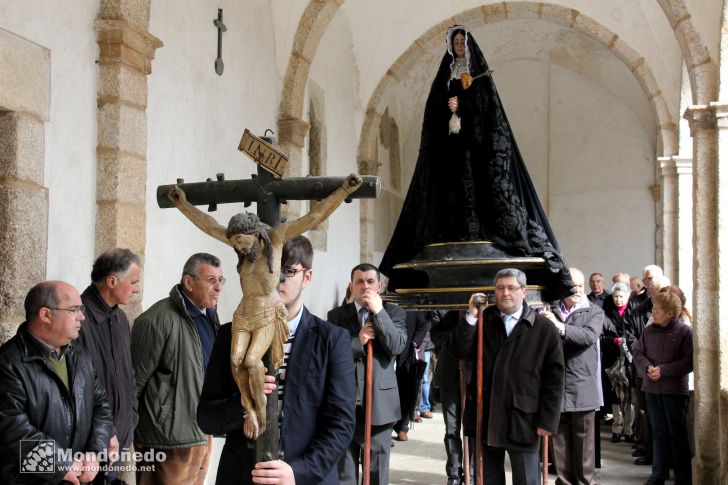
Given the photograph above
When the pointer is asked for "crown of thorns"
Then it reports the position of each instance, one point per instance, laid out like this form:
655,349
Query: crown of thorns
246,223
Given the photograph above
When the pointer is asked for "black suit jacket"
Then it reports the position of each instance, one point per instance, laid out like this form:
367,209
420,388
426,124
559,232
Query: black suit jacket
390,340
318,405
417,327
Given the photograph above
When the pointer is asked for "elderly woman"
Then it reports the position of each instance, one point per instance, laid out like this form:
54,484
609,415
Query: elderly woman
663,356
616,361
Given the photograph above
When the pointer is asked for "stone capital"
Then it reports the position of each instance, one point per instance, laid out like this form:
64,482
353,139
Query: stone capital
700,117
706,117
368,167
121,42
292,130
675,166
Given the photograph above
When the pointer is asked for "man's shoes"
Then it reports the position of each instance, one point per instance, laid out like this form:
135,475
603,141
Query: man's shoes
628,438
402,436
615,438
426,414
654,481
643,460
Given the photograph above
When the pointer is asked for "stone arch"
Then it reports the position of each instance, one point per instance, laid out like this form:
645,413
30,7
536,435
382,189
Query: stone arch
702,69
292,129
488,14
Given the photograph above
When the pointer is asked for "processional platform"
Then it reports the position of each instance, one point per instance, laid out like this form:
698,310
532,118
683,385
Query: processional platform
443,275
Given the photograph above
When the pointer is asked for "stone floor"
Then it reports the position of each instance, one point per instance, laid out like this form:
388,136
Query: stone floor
421,460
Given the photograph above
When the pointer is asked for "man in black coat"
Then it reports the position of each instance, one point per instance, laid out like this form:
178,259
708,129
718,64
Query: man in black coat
369,321
105,334
408,379
523,379
316,389
447,378
51,400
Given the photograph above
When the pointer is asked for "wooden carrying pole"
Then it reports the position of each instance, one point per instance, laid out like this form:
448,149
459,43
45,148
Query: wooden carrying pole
545,460
463,395
368,416
466,446
479,405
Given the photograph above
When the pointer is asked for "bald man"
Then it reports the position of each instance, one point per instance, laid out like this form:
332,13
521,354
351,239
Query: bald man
579,323
51,399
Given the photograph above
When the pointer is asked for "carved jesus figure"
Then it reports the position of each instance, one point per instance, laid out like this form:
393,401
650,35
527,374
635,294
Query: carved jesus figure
260,320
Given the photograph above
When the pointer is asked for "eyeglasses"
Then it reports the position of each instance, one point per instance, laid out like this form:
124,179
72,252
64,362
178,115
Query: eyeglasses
511,289
80,309
291,272
211,280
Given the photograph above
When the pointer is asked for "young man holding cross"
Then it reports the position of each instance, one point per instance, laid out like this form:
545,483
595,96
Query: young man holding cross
260,320
316,393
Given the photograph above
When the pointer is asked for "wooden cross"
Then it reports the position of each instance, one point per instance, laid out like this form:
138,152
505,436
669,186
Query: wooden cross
267,188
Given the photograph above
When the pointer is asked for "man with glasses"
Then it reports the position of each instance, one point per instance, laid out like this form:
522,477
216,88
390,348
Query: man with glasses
105,334
50,398
316,392
171,344
523,378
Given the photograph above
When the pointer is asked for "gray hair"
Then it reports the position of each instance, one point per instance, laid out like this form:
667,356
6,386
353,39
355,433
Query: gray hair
115,261
661,282
654,268
620,288
519,275
42,295
192,266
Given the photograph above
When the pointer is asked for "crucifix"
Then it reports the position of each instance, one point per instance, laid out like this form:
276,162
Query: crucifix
219,66
260,324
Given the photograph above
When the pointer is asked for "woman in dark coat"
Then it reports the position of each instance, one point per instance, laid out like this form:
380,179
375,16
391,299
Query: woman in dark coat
663,357
618,311
470,184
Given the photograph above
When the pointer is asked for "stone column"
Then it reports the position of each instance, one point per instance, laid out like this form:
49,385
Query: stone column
291,138
677,221
709,277
366,216
23,215
24,108
126,50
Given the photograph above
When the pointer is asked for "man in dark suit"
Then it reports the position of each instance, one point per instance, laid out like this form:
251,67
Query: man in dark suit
382,325
408,377
316,388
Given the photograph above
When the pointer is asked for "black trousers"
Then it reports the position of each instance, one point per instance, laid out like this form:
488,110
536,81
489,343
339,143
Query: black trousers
668,417
381,446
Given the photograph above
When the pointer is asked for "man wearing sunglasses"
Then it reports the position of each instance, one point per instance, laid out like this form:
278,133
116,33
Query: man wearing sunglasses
316,392
54,415
171,344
